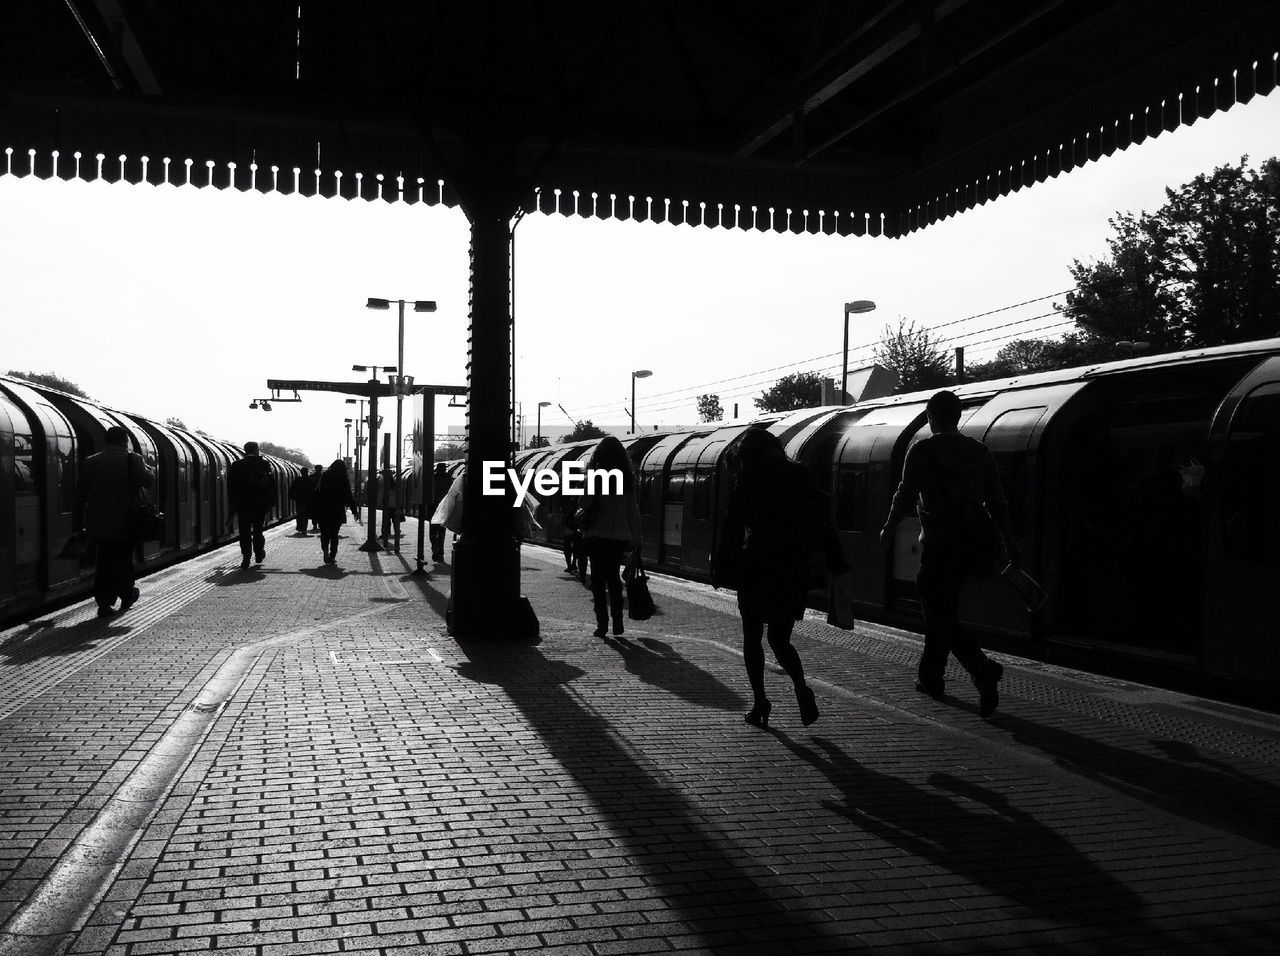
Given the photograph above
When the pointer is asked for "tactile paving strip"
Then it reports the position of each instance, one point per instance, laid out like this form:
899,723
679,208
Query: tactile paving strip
1157,713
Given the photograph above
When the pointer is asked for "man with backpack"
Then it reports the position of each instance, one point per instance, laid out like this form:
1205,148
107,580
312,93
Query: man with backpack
952,482
251,489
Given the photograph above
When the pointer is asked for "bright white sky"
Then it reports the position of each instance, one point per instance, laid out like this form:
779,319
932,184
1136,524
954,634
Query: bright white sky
183,302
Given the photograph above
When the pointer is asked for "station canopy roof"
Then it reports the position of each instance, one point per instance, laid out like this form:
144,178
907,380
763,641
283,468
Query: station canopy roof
831,116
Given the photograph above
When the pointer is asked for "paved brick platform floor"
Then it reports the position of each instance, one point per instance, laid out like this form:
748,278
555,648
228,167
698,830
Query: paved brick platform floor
299,759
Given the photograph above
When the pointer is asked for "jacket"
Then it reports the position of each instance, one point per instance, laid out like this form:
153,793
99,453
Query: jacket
945,476
114,480
250,484
615,516
332,499
773,525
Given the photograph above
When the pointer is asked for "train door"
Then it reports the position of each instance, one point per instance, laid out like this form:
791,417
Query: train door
866,463
18,565
45,464
1242,481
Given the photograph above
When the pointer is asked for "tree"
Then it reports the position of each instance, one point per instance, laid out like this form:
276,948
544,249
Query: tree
1203,269
797,390
288,454
709,408
583,430
49,380
174,422
915,355
539,441
1028,356
449,451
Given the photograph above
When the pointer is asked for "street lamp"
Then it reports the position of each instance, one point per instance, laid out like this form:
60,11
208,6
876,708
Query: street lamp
850,308
347,422
419,305
537,441
638,373
359,440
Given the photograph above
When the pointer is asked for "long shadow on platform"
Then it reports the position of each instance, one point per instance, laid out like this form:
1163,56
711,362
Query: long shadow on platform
995,845
42,639
1187,785
660,665
688,863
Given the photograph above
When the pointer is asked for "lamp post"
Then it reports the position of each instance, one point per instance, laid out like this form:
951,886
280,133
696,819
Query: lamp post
359,440
347,422
419,305
850,308
373,423
537,440
638,373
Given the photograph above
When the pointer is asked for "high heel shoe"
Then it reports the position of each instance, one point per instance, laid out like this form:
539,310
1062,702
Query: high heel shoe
808,706
758,716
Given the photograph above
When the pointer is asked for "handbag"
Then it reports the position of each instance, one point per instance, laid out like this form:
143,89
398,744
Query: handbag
1027,587
76,548
146,523
640,606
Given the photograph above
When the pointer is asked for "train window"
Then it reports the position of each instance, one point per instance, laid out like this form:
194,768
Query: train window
675,487
66,478
703,481
646,490
24,477
851,498
1251,473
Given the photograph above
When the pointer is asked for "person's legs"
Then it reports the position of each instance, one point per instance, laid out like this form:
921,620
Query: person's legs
613,580
788,658
125,576
753,654
597,553
105,574
259,539
940,603
244,520
436,534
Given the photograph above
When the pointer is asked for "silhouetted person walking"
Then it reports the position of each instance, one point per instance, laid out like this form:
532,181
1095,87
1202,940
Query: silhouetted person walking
302,489
952,482
114,479
773,524
610,523
251,488
332,502
439,488
314,478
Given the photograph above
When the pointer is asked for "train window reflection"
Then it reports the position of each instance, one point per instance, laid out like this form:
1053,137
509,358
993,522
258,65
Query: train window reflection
702,484
1251,474
24,482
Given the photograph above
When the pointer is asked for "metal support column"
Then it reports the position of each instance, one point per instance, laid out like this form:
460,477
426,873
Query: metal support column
371,534
485,601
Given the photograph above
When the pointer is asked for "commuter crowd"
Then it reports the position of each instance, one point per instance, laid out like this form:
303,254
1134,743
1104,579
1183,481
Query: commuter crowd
775,532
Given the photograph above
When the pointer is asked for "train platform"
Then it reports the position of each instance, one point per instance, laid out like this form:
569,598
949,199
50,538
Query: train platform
298,759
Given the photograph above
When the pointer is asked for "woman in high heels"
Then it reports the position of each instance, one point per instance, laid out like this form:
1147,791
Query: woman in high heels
774,521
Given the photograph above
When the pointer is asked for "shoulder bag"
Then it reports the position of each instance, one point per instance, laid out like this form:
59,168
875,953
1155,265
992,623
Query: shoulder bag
640,606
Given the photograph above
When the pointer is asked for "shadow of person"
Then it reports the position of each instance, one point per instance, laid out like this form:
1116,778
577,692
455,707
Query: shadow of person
328,572
978,833
45,639
646,814
230,577
1187,785
660,665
